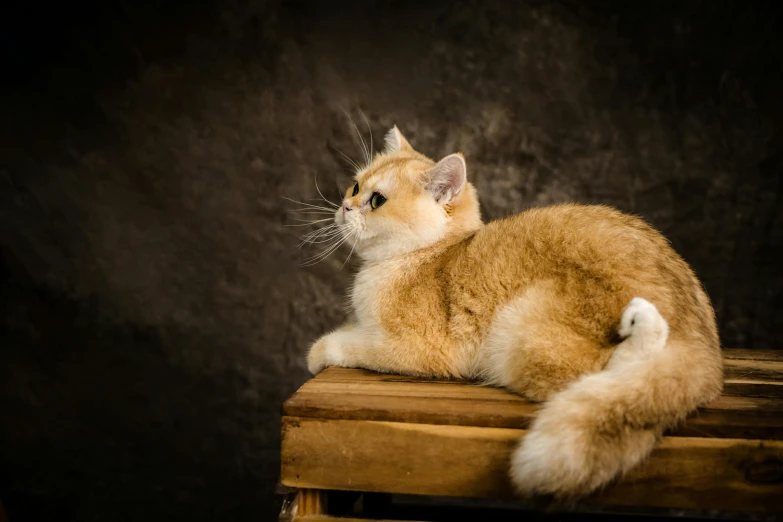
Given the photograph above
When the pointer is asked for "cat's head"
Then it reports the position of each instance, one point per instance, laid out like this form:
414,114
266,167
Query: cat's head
404,201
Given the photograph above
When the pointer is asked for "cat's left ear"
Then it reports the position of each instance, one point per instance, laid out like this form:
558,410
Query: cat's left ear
446,180
395,141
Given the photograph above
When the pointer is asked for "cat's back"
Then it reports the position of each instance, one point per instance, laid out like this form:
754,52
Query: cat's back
590,253
566,231
586,249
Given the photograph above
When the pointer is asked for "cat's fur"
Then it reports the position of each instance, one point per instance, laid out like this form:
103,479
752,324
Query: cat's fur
583,307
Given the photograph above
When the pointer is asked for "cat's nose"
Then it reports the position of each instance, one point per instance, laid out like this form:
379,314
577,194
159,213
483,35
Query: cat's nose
346,207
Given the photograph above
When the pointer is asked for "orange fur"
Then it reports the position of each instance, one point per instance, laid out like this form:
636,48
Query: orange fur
541,302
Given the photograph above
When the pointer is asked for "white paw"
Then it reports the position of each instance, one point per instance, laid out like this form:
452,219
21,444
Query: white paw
324,352
643,326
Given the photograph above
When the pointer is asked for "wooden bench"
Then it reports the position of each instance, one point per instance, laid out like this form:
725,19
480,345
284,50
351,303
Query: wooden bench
386,437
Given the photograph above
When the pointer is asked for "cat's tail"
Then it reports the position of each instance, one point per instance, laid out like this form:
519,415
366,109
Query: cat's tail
605,423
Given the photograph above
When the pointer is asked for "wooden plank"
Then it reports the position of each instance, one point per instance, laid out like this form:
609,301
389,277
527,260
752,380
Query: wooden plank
747,369
736,360
753,388
761,378
327,518
729,354
360,395
442,460
753,355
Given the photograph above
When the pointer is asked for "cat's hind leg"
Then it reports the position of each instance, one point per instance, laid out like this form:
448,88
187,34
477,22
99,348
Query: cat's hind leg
532,348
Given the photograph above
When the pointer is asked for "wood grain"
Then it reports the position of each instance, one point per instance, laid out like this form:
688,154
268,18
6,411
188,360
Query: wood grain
356,430
753,369
753,355
751,406
327,518
683,472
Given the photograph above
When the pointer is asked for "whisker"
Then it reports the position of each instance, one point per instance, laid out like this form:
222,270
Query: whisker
322,196
310,220
329,226
322,234
340,195
329,239
369,129
349,253
327,251
350,160
315,235
309,206
313,209
361,139
325,254
308,223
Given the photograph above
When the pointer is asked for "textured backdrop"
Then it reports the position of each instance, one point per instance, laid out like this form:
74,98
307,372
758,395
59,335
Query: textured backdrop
154,316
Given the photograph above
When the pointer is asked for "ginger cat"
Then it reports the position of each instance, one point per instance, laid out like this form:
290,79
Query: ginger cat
583,307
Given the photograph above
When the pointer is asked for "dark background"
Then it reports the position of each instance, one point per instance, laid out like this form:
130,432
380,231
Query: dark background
154,317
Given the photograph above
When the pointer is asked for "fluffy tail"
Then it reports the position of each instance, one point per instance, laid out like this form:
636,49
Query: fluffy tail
605,423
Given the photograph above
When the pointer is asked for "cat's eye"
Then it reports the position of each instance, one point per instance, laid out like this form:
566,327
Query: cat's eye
377,200
355,190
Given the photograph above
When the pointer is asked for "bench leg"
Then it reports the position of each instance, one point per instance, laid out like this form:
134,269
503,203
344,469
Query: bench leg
311,502
303,503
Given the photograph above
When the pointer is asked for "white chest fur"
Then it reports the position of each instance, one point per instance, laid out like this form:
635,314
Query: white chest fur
372,283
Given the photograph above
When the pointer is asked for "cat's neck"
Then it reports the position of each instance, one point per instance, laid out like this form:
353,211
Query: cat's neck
428,254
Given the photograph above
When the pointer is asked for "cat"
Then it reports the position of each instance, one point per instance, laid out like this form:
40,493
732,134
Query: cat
583,307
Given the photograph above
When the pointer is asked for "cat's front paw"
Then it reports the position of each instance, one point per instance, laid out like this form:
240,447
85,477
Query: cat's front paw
316,358
324,352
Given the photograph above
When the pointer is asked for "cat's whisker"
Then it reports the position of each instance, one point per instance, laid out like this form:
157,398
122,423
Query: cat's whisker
307,222
323,232
325,228
326,253
340,194
326,240
319,201
361,139
315,210
336,236
315,219
322,196
369,129
309,205
323,235
320,234
350,160
353,232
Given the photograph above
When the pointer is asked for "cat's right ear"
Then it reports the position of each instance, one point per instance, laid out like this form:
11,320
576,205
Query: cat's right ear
446,180
395,141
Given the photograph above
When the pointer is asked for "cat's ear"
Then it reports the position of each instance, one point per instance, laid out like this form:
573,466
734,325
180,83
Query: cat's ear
446,180
395,141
